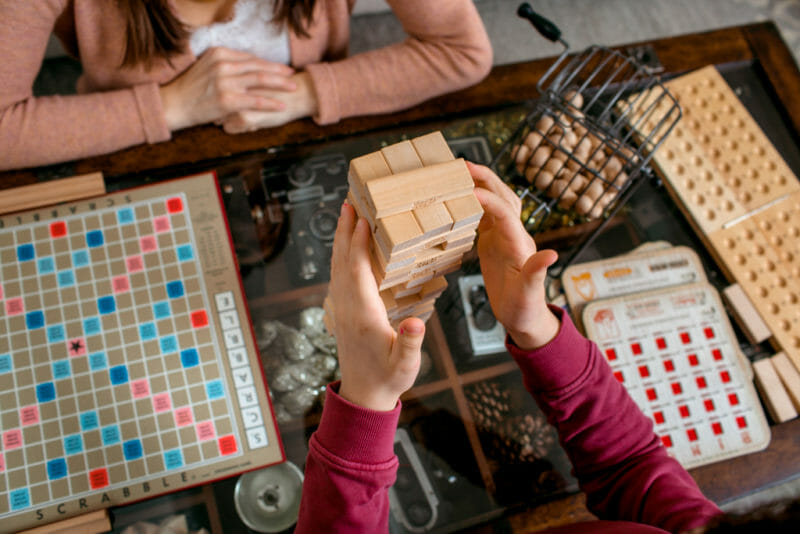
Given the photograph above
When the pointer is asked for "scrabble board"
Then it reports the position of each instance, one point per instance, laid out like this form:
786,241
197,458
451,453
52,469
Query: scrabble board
676,354
128,367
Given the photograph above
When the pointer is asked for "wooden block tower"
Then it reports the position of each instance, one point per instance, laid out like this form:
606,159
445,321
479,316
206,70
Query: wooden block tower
419,203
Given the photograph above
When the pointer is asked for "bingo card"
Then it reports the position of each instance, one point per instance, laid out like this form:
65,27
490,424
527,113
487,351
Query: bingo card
127,362
675,352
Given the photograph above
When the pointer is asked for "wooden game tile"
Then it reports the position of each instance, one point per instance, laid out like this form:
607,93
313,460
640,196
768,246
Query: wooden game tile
772,392
459,239
416,188
366,168
465,211
432,148
433,287
357,202
420,279
400,231
433,220
789,375
402,290
401,157
746,314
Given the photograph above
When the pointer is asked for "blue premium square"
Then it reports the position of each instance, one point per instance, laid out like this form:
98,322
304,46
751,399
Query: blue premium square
61,369
97,361
55,333
161,310
6,365
73,444
148,331
89,421
56,469
94,239
125,216
215,389
34,320
110,435
66,278
46,265
175,289
169,344
118,375
19,499
173,459
26,252
132,449
45,392
106,305
185,253
189,357
91,326
80,258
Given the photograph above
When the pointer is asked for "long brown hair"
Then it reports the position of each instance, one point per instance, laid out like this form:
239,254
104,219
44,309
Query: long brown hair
154,32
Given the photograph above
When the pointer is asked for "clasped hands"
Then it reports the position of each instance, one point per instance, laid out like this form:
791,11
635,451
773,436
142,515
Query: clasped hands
378,364
238,91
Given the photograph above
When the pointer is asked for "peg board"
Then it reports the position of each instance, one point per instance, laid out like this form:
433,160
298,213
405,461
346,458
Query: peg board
676,354
740,196
127,362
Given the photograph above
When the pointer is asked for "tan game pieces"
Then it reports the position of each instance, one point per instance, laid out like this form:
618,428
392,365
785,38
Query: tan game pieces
420,205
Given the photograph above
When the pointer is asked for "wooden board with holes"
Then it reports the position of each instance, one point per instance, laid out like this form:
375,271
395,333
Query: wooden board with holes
740,196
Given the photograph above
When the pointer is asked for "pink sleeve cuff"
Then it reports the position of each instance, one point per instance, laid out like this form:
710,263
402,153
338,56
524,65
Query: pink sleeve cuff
354,433
559,363
329,106
151,113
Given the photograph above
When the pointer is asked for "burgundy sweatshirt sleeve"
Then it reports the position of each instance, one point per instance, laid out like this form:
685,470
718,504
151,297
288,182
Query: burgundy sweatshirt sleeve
349,468
619,461
40,131
447,49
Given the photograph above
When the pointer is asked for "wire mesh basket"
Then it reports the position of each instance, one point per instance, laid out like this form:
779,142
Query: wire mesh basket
585,146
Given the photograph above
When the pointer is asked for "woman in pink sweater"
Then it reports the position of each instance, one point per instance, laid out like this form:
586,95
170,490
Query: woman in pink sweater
150,68
630,481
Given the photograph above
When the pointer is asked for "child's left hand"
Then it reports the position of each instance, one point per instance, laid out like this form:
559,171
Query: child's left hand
377,363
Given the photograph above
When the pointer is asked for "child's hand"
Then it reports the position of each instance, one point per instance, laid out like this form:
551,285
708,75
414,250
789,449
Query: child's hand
377,363
513,271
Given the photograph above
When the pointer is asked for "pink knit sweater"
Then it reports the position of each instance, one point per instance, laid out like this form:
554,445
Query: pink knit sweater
447,49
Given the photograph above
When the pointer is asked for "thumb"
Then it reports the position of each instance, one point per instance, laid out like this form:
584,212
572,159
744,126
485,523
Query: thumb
408,345
535,269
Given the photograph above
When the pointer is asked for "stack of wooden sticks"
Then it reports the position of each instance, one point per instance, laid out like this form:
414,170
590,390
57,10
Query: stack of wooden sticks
420,205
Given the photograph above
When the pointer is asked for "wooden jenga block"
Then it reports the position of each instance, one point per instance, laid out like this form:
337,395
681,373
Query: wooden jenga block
400,231
746,314
396,193
434,287
458,239
433,220
366,168
361,211
789,375
772,392
464,210
401,157
432,148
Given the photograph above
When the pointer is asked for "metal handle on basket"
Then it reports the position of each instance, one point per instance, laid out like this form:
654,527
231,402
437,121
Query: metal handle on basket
548,30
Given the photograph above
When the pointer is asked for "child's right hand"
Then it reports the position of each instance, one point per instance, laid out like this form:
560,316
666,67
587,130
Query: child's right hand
513,270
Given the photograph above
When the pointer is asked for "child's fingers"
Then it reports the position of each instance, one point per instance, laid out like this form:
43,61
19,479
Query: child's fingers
486,178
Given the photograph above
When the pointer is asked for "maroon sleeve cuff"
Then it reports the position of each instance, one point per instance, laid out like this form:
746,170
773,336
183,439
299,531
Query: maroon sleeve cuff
354,433
557,364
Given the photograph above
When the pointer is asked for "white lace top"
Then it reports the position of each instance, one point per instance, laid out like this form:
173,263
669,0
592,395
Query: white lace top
250,30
